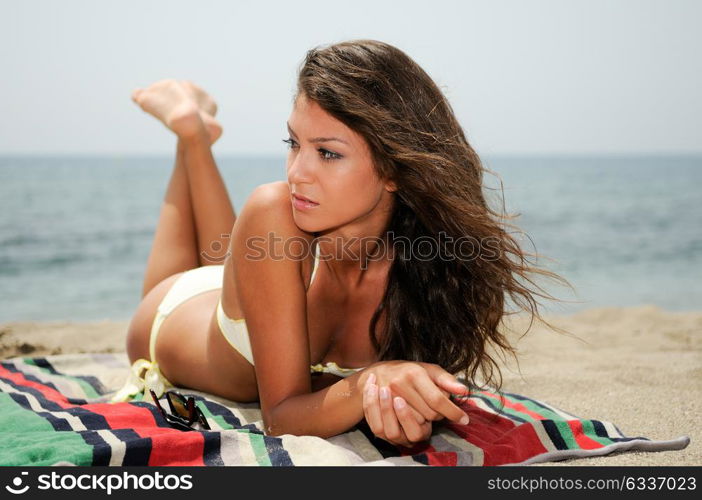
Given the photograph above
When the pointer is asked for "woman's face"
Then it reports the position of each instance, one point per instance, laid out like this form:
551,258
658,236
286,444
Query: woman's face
331,165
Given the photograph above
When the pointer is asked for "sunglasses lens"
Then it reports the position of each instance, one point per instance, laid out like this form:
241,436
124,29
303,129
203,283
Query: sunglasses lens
184,412
179,405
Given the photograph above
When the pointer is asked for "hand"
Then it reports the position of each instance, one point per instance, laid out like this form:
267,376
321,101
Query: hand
425,387
393,420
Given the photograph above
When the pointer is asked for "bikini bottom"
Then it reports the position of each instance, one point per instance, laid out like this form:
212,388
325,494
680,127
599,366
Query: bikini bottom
145,374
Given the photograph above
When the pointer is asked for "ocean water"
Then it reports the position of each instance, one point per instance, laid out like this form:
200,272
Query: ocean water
75,232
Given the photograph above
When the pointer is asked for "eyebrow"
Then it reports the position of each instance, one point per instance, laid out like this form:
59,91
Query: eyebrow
319,139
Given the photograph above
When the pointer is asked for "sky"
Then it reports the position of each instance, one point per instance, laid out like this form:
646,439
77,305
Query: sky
524,77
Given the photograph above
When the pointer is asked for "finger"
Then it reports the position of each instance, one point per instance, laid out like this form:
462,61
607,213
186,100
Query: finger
374,417
391,427
410,426
371,408
369,380
416,401
439,402
415,414
426,430
398,442
445,380
449,383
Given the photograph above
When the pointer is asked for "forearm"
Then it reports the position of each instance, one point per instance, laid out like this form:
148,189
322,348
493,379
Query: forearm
324,413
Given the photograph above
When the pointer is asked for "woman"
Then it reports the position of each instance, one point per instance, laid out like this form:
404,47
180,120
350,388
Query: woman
328,273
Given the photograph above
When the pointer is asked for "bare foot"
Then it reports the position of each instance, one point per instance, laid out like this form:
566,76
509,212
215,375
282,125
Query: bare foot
207,105
203,99
214,129
175,106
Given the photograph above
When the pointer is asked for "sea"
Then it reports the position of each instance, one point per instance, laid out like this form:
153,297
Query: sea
75,231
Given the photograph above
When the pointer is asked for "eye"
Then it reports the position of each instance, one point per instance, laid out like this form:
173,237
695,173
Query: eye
291,143
328,155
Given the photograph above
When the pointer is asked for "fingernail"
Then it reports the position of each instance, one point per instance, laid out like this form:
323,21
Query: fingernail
372,390
399,403
465,420
384,393
371,378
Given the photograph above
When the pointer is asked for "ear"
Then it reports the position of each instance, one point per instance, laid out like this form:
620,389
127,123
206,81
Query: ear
390,186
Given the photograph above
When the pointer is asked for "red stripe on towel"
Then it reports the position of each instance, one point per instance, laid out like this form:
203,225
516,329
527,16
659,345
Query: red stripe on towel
501,439
123,415
174,447
583,441
441,458
49,393
516,406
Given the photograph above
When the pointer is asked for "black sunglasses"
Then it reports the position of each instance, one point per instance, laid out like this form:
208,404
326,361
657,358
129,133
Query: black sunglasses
184,412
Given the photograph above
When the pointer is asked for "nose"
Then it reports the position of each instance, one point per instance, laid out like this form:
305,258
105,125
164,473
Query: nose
300,170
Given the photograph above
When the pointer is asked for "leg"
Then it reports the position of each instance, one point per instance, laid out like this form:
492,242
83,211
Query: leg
213,212
184,108
174,248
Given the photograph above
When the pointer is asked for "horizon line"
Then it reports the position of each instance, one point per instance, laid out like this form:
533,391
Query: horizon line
573,154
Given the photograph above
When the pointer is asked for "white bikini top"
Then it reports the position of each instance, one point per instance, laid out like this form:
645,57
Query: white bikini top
236,333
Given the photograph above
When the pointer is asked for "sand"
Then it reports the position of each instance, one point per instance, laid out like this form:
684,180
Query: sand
638,367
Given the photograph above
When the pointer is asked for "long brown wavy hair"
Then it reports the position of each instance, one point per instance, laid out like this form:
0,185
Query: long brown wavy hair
444,310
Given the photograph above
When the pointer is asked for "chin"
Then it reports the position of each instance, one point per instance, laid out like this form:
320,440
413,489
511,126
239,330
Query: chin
306,223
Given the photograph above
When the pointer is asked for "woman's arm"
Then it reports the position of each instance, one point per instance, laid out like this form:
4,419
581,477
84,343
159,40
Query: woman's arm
270,286
272,297
324,413
337,408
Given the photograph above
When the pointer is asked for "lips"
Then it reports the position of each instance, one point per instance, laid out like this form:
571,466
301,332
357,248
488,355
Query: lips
304,198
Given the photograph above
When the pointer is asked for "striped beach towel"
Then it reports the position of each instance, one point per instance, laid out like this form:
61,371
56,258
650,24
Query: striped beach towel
54,411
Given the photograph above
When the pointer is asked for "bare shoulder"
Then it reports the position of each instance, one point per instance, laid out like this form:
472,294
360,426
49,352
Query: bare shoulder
271,194
270,204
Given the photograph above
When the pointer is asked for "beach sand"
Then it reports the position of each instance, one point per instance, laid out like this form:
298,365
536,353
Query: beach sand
638,367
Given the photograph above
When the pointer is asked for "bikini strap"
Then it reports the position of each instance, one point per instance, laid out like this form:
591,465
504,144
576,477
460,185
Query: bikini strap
316,263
